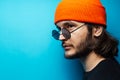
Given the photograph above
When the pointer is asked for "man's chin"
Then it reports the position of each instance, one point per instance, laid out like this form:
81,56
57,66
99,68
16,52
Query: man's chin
76,55
70,55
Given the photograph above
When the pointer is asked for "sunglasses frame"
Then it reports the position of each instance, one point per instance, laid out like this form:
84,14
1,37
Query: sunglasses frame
66,33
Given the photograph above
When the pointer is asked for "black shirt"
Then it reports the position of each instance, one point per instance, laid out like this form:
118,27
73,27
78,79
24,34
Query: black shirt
106,70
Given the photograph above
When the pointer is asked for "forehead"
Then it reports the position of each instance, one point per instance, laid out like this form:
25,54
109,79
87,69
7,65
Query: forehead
61,23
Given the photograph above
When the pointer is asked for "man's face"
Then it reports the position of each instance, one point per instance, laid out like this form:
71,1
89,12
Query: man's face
77,45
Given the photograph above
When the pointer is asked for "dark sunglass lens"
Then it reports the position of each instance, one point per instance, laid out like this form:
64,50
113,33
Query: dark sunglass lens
66,33
55,34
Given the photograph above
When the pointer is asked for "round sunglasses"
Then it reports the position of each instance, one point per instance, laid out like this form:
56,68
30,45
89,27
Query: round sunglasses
66,33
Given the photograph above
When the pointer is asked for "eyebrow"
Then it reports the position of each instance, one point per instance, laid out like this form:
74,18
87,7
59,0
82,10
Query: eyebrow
70,23
65,24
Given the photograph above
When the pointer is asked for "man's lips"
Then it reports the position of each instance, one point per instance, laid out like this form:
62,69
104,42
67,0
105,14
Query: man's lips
67,46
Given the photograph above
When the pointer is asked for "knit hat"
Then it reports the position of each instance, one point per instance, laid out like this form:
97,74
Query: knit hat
90,11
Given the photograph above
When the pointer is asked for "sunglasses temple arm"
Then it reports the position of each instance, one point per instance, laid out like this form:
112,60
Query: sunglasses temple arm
77,28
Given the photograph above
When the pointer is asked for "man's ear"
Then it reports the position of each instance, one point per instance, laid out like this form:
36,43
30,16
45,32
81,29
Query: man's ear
97,31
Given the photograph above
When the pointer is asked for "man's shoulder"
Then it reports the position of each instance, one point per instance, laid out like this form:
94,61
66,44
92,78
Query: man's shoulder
108,67
105,70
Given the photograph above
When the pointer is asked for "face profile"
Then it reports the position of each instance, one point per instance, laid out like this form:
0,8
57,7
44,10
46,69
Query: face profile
82,30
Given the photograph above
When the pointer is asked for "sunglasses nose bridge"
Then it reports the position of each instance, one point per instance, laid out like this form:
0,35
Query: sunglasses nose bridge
60,32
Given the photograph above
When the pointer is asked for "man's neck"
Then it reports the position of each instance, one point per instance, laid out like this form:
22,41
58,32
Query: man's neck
91,61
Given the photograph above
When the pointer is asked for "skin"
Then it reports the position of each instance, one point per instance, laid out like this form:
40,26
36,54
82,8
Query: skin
71,45
77,43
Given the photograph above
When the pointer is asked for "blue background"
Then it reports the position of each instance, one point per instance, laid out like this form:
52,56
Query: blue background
27,50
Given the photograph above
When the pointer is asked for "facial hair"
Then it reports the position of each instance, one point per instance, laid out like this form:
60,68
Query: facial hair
84,48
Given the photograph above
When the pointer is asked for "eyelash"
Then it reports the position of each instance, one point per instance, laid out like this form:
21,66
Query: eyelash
70,26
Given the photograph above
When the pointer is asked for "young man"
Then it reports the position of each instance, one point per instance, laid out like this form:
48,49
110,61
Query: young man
82,30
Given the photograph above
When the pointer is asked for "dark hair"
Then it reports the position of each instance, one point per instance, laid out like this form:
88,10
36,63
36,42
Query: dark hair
105,45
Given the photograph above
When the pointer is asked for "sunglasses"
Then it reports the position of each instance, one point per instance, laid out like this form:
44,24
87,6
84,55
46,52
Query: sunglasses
65,32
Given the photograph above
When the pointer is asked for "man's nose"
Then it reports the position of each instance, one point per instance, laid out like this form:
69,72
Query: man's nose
61,37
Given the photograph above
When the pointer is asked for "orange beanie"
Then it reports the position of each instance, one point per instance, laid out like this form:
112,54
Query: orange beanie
90,11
